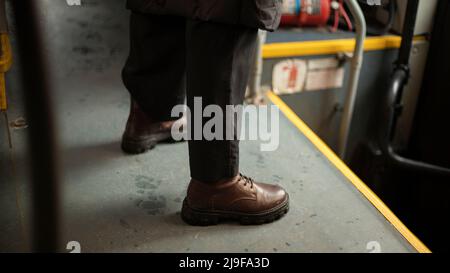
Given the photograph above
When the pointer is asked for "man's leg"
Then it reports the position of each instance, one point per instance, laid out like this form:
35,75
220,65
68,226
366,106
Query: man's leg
219,59
154,74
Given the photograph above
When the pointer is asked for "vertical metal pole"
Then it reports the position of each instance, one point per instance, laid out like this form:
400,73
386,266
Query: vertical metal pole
45,220
254,89
358,55
409,27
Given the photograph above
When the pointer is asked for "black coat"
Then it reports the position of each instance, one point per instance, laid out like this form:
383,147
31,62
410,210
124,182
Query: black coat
263,14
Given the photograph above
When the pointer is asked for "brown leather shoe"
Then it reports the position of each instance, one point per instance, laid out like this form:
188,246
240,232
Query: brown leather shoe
142,133
239,199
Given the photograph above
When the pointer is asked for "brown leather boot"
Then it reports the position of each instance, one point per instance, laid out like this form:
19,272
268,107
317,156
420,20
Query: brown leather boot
238,199
142,133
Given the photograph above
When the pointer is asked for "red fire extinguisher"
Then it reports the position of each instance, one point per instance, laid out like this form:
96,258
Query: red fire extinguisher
314,13
306,12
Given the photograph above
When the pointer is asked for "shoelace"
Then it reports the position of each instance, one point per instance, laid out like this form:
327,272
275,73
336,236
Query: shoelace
247,180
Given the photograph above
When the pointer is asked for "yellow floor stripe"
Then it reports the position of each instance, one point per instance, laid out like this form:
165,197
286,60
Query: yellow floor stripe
349,174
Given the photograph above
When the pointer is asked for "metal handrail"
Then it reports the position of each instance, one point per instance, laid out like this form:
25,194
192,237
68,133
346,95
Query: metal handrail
393,100
357,60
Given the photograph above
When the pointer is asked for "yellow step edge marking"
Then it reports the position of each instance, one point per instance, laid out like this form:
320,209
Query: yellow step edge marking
349,174
307,48
3,101
6,55
5,64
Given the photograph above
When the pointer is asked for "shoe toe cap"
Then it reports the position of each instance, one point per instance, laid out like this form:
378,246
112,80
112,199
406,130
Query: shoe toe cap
273,195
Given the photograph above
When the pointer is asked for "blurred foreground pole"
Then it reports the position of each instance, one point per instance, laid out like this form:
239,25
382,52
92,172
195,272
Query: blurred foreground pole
42,142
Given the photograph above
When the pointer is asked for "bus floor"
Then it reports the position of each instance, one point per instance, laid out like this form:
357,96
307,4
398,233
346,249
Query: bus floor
114,202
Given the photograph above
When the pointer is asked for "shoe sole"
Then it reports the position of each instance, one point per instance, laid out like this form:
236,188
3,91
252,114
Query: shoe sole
196,217
135,147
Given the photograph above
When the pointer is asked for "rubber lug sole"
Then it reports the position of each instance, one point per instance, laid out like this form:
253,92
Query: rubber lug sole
135,147
209,218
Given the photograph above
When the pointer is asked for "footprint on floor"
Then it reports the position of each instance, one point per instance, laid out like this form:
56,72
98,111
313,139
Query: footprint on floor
124,224
260,160
154,205
147,183
277,178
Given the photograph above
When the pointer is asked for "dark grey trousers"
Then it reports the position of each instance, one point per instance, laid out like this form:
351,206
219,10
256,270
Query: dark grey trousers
172,59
